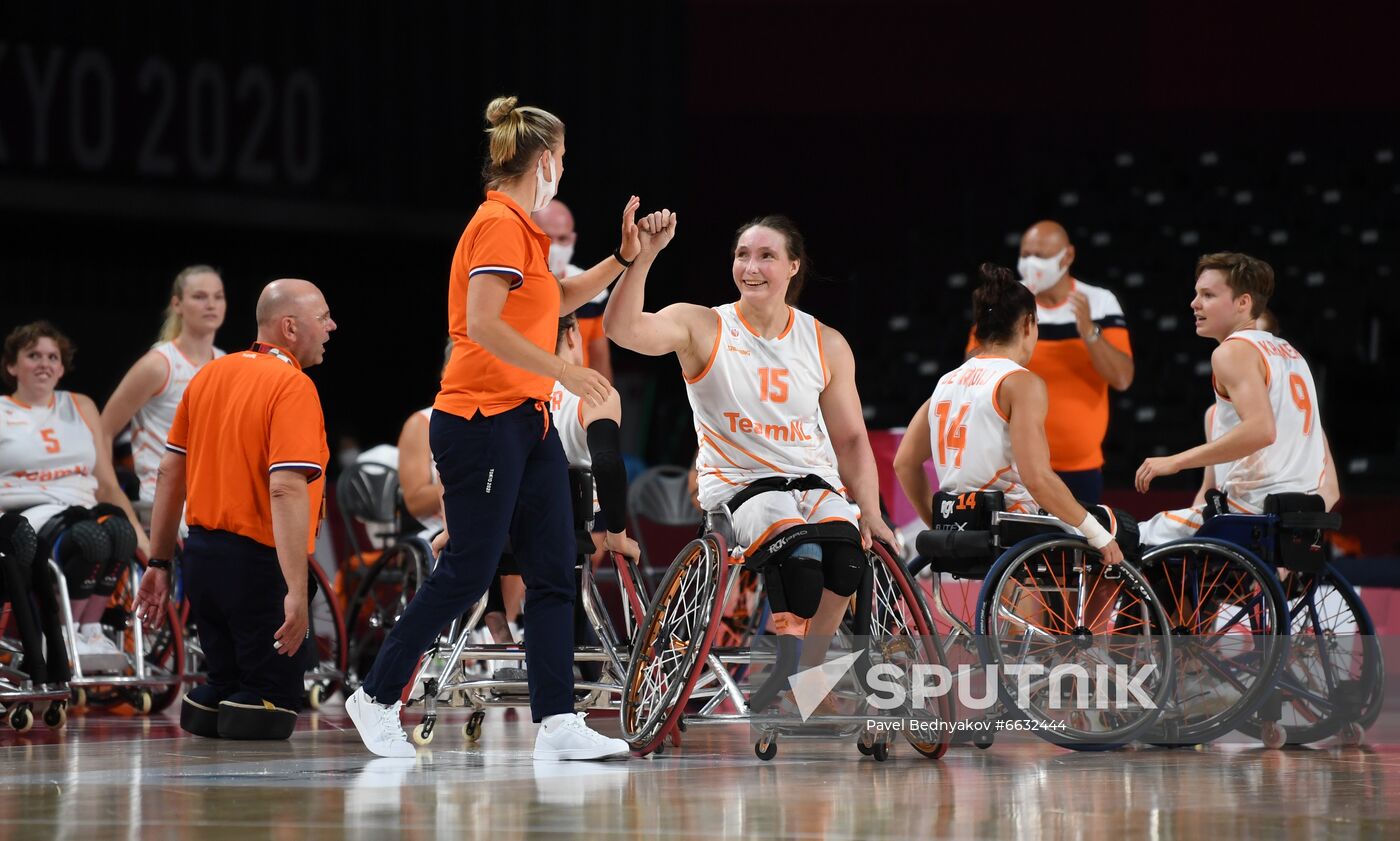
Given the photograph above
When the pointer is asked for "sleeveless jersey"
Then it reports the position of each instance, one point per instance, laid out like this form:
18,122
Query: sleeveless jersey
567,410
1295,461
970,436
47,454
150,426
756,407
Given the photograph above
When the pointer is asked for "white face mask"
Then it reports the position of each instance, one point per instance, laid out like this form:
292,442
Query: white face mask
559,257
545,190
1040,273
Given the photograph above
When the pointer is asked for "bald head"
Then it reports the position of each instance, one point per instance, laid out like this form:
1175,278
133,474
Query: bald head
555,220
1044,239
292,314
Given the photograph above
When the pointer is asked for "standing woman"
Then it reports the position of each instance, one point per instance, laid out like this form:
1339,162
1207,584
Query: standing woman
148,394
503,468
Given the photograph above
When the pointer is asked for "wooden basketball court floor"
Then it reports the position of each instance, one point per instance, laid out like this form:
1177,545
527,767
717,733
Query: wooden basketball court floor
112,777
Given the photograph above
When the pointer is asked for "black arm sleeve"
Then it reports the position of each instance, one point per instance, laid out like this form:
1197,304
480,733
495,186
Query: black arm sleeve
609,473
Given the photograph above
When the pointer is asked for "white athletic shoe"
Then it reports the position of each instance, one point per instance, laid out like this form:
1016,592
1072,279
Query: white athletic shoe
95,640
379,726
565,736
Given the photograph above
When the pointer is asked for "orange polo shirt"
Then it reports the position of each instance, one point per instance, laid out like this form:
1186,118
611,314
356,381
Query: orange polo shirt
500,239
243,416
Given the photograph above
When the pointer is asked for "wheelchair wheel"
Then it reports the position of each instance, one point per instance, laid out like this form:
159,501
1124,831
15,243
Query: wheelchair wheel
673,641
1229,624
327,628
900,624
379,601
162,649
1334,674
1063,628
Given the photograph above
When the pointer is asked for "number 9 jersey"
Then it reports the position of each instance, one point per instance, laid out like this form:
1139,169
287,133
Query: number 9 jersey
970,435
1294,463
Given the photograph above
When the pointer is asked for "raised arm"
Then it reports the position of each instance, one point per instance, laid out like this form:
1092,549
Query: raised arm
914,450
682,329
1024,398
845,423
581,288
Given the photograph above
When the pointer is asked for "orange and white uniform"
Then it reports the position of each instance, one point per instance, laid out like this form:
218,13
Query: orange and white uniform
151,424
970,434
1294,463
47,458
757,416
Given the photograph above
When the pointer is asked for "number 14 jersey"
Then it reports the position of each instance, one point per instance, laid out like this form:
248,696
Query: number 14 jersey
970,434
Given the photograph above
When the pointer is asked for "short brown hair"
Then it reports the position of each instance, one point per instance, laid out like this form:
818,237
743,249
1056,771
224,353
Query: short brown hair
1243,274
25,335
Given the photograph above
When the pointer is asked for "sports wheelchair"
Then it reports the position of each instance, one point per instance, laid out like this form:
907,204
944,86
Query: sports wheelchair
678,677
1047,607
26,677
443,676
1328,678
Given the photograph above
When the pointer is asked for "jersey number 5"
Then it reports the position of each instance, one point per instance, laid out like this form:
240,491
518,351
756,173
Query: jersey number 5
1302,400
952,435
51,444
773,385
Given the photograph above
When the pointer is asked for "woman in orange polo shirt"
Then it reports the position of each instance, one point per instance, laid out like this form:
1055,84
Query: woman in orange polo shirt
499,457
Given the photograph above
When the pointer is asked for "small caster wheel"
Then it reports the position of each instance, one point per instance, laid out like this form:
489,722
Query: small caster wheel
881,751
680,725
22,718
422,733
80,698
56,715
766,749
315,696
1352,734
142,701
472,729
982,740
660,748
866,744
676,738
1273,735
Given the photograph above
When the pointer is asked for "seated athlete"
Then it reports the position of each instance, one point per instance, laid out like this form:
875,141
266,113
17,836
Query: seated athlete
55,471
1265,435
984,426
781,433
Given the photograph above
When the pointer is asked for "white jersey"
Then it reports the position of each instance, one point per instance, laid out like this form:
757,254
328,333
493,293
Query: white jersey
567,411
970,435
47,454
1294,463
150,426
756,407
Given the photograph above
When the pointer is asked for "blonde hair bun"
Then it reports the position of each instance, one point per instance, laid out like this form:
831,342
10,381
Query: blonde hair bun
500,109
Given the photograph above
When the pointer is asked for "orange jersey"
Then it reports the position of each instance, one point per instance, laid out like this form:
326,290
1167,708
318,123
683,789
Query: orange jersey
1077,419
242,417
591,329
501,239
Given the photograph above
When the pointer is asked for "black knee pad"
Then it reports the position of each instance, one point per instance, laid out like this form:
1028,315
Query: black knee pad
123,540
199,712
843,566
83,549
245,716
17,539
795,585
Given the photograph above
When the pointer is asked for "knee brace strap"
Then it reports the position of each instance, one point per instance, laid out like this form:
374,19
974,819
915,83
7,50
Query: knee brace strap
780,546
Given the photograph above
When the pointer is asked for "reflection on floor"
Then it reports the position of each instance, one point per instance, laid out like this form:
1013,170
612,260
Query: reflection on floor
117,777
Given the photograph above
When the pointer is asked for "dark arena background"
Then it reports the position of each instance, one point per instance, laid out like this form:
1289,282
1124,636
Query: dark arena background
343,143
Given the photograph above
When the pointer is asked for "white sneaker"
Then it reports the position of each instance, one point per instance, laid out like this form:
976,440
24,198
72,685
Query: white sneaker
379,726
565,736
96,640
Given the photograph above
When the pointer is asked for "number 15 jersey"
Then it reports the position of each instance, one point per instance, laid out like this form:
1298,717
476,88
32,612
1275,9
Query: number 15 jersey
970,434
756,406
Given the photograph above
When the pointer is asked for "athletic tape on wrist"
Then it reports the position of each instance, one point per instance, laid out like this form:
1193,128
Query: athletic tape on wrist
1095,533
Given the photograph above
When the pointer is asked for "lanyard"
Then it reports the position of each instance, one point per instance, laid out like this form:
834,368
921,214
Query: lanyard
271,350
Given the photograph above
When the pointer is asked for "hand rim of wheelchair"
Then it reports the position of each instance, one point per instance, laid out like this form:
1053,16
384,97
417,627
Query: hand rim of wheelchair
660,712
1003,570
1170,730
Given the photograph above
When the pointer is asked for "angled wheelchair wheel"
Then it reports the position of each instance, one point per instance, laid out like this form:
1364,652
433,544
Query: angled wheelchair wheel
1077,643
903,629
1333,678
379,601
327,673
1229,624
672,643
